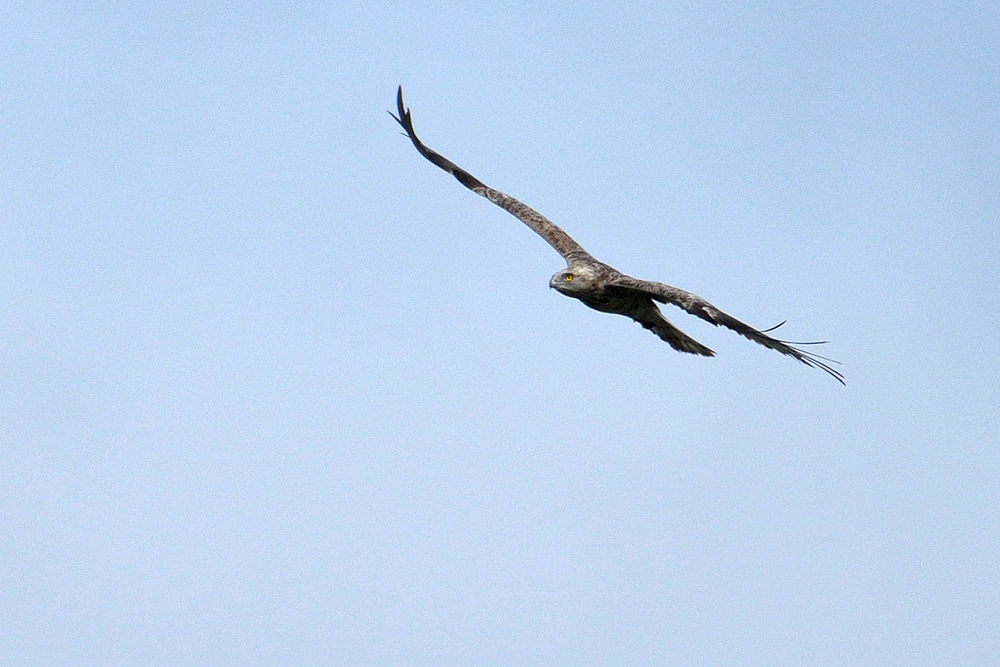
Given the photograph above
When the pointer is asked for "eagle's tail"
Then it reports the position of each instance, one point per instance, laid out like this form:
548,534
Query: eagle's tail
677,339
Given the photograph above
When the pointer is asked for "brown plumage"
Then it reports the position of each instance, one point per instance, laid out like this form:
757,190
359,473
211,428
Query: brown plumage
606,289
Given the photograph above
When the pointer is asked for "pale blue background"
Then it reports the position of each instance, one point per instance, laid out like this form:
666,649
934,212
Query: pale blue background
276,391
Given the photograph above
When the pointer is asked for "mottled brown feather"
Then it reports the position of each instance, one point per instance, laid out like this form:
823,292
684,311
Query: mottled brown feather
544,227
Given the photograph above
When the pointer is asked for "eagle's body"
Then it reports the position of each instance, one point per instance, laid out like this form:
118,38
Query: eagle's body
603,287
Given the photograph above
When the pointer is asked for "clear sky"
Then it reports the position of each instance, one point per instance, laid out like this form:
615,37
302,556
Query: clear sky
274,390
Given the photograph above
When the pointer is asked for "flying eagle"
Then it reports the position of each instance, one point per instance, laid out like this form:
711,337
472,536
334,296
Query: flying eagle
606,289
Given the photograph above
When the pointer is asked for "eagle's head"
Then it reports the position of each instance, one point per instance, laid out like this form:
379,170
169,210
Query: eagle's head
573,281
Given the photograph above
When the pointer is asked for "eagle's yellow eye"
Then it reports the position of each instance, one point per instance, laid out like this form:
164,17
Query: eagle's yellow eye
569,277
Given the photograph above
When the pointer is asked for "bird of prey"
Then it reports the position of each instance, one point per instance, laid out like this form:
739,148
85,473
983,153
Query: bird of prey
606,289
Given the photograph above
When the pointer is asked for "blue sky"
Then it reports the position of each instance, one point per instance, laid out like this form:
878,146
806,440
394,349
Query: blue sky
275,390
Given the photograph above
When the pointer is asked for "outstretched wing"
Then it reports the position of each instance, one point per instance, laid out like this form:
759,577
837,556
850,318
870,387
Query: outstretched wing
545,228
697,306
